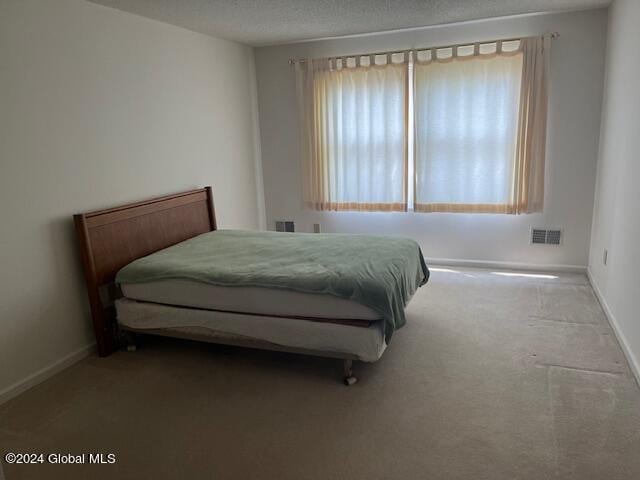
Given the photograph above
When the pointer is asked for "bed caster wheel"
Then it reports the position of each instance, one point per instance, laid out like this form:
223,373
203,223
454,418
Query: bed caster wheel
347,373
348,381
131,348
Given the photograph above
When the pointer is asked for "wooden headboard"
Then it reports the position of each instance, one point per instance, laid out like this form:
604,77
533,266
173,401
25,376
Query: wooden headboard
110,239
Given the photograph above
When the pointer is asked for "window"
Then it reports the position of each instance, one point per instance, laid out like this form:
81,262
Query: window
478,118
357,152
466,121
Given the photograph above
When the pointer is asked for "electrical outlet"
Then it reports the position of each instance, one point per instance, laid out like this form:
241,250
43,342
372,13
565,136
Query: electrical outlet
316,228
604,256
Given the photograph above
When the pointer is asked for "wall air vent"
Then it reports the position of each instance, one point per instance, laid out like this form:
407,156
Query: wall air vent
285,226
541,236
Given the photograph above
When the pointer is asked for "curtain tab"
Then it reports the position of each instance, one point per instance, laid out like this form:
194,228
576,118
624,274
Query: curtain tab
427,55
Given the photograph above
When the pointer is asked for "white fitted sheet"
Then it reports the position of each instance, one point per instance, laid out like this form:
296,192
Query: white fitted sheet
366,343
264,301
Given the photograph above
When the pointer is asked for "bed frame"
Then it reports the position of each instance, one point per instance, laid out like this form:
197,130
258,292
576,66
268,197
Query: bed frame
110,239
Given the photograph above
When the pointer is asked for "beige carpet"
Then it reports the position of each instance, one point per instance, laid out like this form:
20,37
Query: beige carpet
494,377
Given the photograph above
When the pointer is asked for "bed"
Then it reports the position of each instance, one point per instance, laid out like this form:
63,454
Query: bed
162,267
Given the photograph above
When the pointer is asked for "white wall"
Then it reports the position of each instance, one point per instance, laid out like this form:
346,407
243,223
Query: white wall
574,123
100,107
616,216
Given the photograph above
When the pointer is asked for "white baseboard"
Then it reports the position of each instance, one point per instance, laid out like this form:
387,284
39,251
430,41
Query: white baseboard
506,265
615,326
47,372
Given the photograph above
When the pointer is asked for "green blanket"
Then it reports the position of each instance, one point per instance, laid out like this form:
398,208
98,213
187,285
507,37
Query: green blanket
379,272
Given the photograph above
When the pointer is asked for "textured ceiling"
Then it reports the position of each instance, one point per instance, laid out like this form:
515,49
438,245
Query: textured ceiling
263,22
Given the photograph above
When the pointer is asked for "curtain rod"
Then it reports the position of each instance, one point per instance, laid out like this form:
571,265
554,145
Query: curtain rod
293,61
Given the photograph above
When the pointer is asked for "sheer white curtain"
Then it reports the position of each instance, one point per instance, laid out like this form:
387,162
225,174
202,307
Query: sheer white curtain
353,120
466,105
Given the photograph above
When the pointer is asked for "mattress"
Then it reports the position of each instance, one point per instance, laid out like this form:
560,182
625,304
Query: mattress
379,272
365,343
255,300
